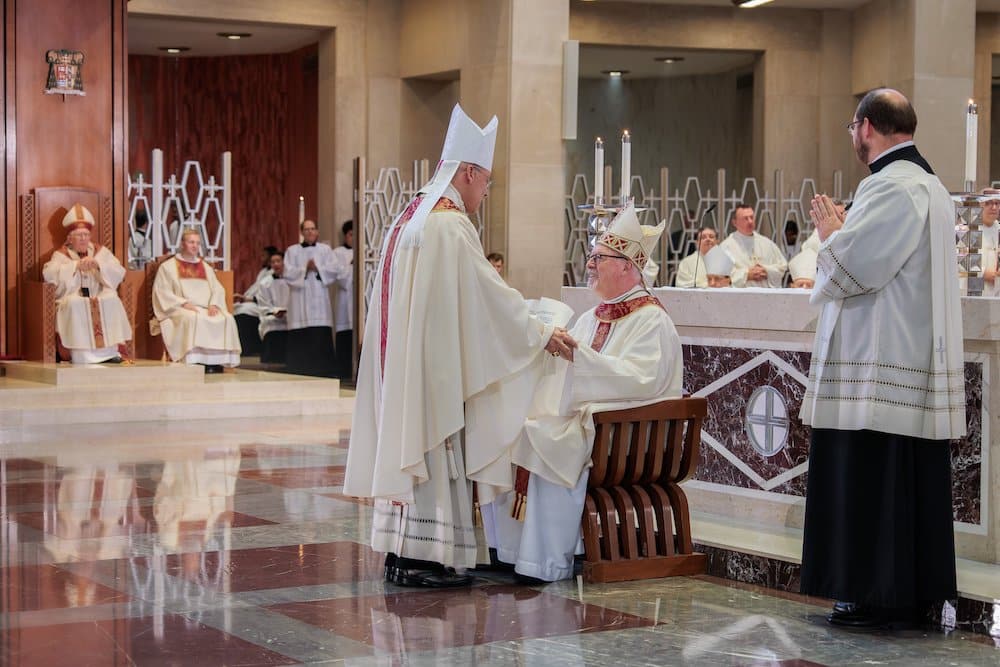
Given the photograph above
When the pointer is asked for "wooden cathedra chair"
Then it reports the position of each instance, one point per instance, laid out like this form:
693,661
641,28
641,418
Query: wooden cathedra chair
636,522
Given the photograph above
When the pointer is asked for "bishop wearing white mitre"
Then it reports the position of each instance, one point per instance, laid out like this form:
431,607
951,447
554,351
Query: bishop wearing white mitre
629,355
90,319
450,358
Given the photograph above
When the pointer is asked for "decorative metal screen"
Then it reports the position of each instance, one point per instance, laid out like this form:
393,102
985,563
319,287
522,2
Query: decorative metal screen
686,210
172,203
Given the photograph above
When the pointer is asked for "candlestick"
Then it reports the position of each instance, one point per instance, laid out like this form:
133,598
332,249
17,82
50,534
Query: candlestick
626,167
302,209
971,139
599,171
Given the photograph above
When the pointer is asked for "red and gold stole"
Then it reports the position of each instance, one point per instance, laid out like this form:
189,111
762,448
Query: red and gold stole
607,314
191,269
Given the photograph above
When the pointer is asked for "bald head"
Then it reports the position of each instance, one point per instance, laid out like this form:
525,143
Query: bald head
889,112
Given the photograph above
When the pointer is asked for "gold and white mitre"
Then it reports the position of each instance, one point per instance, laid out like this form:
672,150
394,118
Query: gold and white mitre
78,217
718,262
467,142
627,236
803,265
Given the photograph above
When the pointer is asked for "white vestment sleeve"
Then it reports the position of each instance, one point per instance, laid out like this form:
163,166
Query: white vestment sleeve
295,266
329,267
776,265
218,297
61,272
112,271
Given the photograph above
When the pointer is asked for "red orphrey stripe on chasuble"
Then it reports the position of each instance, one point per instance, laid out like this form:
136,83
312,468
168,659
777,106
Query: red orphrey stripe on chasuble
95,321
191,270
390,251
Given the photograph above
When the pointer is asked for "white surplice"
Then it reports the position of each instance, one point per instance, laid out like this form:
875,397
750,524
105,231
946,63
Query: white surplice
888,352
309,295
637,361
189,336
691,271
90,327
343,296
272,300
449,361
756,249
249,304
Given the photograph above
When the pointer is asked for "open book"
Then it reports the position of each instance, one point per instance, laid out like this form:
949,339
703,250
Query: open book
550,311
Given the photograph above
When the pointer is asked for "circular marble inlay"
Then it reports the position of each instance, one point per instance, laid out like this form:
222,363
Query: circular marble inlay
766,421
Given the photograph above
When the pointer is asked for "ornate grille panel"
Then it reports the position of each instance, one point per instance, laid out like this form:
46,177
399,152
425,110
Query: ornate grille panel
687,209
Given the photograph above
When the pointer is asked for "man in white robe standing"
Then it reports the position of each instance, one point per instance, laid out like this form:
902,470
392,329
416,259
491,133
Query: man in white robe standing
886,388
450,358
311,268
691,271
343,313
631,356
90,318
758,261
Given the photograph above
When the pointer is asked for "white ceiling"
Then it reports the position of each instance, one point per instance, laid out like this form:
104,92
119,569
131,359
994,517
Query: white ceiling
146,34
641,63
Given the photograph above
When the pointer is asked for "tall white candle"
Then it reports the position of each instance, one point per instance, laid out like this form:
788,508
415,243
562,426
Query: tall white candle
599,171
626,167
971,139
302,208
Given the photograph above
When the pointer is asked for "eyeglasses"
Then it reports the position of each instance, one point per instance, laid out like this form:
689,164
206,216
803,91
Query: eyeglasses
596,257
489,181
853,124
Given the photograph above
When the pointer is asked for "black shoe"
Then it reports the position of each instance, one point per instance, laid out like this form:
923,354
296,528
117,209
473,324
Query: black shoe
529,581
862,617
112,360
427,578
495,564
212,369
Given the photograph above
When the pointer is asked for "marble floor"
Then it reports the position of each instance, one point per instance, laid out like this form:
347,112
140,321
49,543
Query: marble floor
218,542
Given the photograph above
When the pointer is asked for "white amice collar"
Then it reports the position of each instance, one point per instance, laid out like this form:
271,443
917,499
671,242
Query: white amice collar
451,193
627,295
185,259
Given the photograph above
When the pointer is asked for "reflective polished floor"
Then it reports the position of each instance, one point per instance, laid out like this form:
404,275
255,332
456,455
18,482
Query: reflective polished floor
229,542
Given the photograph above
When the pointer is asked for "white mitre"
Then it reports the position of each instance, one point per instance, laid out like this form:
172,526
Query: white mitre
627,236
718,262
467,142
78,217
803,265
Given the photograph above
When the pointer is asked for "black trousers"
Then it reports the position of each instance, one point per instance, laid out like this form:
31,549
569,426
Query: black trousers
878,521
310,352
345,359
247,328
273,348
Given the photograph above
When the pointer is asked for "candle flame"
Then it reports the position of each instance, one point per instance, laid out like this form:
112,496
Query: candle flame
625,133
301,198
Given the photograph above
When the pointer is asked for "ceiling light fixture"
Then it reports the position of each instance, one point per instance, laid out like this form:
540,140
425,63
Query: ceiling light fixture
234,35
749,4
615,73
175,49
669,60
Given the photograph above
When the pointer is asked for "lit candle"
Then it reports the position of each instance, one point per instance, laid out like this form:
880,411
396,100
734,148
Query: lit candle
302,208
626,167
599,171
971,138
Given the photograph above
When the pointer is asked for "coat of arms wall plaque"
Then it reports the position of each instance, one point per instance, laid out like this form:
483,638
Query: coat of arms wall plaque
65,72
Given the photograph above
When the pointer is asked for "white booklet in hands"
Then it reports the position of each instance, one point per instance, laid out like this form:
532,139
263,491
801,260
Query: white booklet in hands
550,311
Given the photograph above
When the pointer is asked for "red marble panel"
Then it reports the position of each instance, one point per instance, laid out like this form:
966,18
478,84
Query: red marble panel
24,493
435,620
170,640
280,567
37,587
145,523
298,478
19,465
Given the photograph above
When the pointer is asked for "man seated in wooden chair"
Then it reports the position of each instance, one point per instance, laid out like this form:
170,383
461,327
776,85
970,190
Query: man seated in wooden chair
90,318
629,355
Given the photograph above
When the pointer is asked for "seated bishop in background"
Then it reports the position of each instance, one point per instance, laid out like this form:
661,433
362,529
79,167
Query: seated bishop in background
629,355
190,307
90,319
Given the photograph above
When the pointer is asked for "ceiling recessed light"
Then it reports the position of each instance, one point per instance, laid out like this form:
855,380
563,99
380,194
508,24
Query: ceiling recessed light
175,49
234,35
669,59
615,73
748,4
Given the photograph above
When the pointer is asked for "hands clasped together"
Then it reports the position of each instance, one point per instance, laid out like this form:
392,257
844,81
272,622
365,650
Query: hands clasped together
561,344
826,216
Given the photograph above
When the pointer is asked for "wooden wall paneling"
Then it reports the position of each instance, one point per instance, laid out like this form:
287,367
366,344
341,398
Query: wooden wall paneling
8,239
119,130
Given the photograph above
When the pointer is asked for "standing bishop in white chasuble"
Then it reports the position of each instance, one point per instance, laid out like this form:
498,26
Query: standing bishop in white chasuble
450,358
629,355
190,307
90,318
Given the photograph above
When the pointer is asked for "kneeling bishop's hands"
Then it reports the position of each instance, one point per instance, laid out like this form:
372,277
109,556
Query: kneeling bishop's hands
561,344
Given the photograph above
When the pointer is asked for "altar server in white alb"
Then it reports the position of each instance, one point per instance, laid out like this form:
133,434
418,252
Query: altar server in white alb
758,261
272,298
190,307
450,358
90,319
343,320
629,355
311,268
886,388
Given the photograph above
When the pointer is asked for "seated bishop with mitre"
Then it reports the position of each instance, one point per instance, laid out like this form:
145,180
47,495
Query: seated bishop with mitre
90,318
629,354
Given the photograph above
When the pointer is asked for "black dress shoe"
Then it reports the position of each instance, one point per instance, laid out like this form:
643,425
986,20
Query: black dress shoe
213,369
495,564
529,581
863,617
428,578
112,360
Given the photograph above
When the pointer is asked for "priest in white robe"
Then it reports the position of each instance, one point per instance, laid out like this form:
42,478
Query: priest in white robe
311,268
758,261
886,389
691,272
272,299
991,242
189,303
90,318
450,358
629,355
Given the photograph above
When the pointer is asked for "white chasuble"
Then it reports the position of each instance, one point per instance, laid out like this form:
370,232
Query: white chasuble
888,352
629,355
94,322
194,336
309,289
691,271
450,357
756,249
